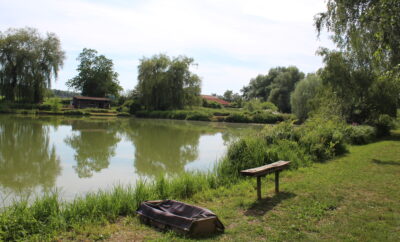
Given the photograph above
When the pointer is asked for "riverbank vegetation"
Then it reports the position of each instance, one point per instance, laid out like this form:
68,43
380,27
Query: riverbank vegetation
48,216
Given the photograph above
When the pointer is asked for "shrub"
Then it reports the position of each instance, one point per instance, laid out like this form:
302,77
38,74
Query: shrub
238,118
269,106
198,116
5,108
123,114
54,104
384,123
178,115
211,104
360,134
266,117
44,107
323,138
74,112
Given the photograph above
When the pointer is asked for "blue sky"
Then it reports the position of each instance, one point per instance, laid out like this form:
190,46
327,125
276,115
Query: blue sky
232,41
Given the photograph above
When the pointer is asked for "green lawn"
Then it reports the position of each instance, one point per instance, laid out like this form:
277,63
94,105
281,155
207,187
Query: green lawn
353,198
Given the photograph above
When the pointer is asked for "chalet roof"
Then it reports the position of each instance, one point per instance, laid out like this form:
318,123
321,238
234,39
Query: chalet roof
92,98
215,99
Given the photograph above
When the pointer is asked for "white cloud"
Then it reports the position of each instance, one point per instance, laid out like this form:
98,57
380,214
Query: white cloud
252,32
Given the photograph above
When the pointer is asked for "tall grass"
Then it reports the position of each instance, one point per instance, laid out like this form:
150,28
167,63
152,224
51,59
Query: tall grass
48,215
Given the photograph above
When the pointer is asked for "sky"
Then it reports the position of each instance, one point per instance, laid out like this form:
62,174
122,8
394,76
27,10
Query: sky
231,41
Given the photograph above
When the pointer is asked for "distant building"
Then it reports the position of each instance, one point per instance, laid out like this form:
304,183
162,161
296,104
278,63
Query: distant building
215,99
91,102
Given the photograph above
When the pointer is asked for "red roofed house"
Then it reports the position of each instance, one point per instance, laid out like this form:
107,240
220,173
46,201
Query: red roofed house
215,99
91,102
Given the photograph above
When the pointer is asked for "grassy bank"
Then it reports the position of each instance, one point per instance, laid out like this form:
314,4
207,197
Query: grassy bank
233,115
48,216
67,112
351,198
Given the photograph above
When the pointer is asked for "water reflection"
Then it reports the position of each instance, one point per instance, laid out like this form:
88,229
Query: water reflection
39,153
164,147
94,143
27,158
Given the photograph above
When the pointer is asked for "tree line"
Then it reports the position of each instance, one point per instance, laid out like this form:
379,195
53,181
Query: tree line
358,82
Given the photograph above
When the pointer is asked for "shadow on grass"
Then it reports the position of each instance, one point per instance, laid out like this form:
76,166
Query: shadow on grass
260,207
379,162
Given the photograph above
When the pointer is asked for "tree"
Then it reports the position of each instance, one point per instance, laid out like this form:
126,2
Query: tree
96,76
364,74
274,87
368,28
228,95
303,94
167,83
28,63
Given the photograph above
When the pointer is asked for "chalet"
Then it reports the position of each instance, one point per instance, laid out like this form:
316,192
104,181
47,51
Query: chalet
91,102
215,99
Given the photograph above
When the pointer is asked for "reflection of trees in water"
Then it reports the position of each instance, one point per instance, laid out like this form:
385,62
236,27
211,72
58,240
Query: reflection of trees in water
26,159
164,146
94,145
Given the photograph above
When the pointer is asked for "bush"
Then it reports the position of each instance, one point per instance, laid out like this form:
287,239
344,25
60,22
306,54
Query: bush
238,118
54,104
269,106
44,107
267,118
383,125
198,116
74,112
5,108
360,134
123,114
211,104
322,138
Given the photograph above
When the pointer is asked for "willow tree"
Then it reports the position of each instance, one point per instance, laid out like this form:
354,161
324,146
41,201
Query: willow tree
167,83
28,63
365,73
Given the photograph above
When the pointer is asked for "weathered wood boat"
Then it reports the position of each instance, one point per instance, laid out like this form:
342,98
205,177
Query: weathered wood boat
180,217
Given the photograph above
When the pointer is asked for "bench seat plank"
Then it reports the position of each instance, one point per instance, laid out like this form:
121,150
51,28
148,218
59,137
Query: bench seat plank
263,170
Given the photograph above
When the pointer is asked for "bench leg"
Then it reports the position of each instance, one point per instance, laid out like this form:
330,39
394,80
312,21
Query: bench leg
276,182
259,188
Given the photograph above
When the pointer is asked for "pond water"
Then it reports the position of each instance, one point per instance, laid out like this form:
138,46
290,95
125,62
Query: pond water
77,155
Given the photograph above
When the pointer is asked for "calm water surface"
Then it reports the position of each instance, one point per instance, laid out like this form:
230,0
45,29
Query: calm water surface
77,155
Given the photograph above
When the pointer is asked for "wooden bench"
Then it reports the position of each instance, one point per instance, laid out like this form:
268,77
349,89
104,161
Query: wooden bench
264,170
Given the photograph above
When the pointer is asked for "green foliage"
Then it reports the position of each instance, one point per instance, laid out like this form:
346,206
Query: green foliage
63,94
383,125
303,94
54,103
368,28
360,134
274,87
200,116
208,104
96,76
28,63
322,138
269,106
167,83
364,75
238,118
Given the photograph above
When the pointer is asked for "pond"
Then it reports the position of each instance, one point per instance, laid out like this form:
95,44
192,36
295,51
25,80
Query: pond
77,155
